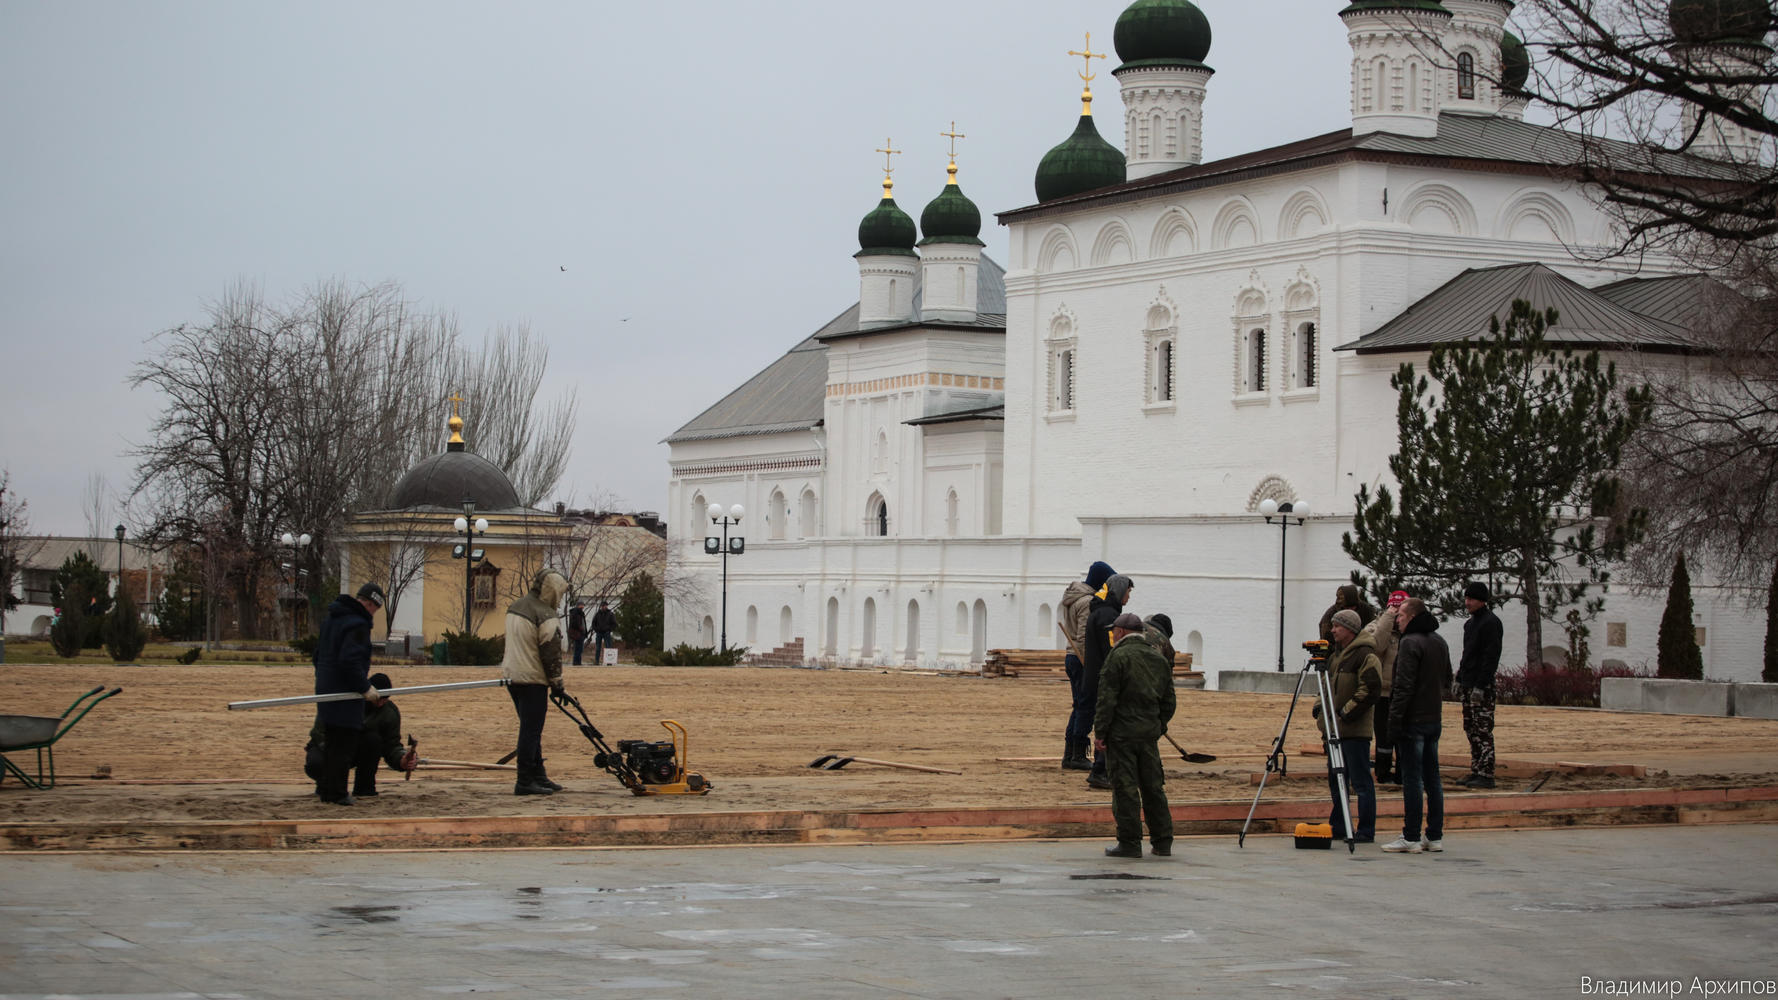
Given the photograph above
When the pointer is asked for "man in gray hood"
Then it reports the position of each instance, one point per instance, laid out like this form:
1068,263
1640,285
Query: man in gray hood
532,666
1102,612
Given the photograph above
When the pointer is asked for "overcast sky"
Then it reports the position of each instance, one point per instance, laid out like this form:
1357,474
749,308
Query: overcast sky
699,168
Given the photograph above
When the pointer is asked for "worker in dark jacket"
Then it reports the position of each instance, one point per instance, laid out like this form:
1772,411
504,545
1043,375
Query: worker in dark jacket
1136,702
604,623
1356,677
342,666
1416,698
1104,609
378,741
1071,618
577,630
1475,683
1346,596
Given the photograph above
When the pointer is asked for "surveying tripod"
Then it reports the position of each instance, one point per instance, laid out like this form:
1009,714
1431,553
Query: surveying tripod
1278,760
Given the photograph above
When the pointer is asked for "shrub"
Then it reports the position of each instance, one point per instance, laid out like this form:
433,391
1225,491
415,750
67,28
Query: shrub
80,576
124,634
687,655
641,614
468,649
1677,654
68,632
1543,684
305,645
190,656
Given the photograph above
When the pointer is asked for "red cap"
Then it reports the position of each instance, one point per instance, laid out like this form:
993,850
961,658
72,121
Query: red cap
1397,597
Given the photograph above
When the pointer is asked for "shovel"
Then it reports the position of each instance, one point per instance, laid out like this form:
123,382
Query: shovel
1190,758
834,761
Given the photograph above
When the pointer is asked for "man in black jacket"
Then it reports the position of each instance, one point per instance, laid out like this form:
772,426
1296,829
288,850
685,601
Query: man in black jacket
1475,683
1101,613
604,623
577,630
1416,697
378,741
342,666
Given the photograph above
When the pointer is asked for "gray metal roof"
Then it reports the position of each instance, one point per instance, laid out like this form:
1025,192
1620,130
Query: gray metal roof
1479,142
789,393
1460,310
1681,299
996,411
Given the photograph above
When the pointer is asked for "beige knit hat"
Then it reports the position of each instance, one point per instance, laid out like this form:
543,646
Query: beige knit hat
1348,619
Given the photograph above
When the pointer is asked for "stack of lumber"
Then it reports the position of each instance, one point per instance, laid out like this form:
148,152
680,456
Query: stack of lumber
1047,664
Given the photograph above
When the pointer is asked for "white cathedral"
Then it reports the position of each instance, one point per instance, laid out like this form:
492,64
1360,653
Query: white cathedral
1171,344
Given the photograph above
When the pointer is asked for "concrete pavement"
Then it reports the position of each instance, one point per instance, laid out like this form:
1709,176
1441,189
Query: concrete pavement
1499,914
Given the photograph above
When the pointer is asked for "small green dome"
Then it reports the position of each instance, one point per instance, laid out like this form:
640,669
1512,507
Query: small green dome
1701,22
1427,5
951,218
887,229
1515,63
1083,162
1170,32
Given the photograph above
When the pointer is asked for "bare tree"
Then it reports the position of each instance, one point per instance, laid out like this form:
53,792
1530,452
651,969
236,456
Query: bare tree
17,545
397,547
96,507
504,424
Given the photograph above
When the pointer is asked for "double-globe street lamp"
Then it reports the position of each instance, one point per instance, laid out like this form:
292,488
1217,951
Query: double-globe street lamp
471,526
725,546
1268,509
293,543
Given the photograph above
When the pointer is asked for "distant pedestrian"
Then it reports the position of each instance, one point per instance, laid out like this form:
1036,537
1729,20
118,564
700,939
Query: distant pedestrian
1357,682
1384,633
1071,618
342,666
1475,683
1346,596
577,628
1104,609
1136,701
1416,704
604,623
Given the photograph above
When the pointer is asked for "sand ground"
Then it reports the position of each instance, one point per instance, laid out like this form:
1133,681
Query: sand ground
175,752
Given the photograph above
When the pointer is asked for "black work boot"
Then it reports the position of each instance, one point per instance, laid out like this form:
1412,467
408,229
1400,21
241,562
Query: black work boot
542,777
1097,778
1386,769
1123,850
1075,757
527,784
1163,848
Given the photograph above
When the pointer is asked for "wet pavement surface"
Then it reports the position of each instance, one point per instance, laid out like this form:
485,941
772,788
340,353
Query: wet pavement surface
1498,914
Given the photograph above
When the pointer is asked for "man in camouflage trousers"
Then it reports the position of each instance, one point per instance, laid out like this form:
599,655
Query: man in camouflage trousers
1136,702
1475,683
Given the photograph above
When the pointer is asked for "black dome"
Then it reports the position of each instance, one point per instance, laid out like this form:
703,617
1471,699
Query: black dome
444,480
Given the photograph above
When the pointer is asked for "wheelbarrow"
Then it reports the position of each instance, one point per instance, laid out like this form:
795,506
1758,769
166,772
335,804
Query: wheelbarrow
40,733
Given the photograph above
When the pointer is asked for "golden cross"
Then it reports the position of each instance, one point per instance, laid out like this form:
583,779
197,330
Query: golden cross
1088,56
888,150
954,135
454,399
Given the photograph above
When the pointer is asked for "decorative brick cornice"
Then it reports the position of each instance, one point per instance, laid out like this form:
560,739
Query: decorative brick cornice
947,379
729,468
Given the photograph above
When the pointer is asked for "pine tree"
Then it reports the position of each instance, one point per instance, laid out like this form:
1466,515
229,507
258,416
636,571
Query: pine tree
80,571
1770,673
68,633
641,614
1509,478
1677,654
124,634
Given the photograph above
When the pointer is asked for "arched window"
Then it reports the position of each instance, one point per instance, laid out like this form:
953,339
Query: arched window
868,629
1254,366
951,514
778,513
1379,85
831,641
1046,635
880,454
698,506
1306,357
1465,76
785,632
911,652
978,632
752,625
1160,335
962,618
707,633
1062,363
876,516
809,524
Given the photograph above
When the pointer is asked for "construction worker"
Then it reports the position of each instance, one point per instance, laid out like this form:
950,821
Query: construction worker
1103,609
342,666
532,666
1357,678
1136,702
378,741
1072,620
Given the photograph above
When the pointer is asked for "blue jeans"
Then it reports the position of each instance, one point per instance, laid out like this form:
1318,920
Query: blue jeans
1080,716
1357,753
1416,753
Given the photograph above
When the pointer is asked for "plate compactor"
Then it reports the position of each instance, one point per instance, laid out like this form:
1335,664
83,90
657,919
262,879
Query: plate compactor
644,767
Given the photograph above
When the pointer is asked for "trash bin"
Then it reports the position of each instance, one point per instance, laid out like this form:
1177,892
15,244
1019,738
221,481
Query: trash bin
440,653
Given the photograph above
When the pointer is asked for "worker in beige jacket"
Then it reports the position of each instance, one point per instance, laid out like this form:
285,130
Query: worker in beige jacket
532,666
1384,632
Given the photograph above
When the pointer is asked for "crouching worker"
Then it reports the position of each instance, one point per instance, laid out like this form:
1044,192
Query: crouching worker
378,741
532,666
1136,702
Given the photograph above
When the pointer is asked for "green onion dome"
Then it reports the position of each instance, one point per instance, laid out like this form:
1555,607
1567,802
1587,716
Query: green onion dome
1515,64
1083,162
950,217
1701,22
1162,32
887,229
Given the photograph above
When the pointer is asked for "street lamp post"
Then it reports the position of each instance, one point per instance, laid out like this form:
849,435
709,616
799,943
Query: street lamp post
6,571
119,532
294,542
1269,508
471,526
725,546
